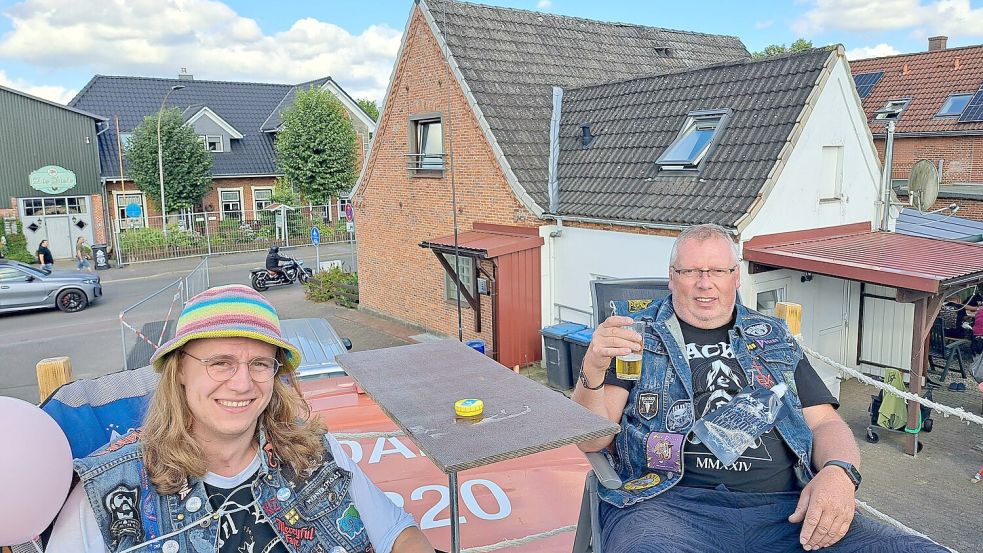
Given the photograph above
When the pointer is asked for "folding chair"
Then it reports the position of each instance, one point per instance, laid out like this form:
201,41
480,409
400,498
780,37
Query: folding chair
588,537
940,348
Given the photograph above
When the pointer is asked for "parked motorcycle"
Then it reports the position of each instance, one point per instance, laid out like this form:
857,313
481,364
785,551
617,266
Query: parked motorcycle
292,270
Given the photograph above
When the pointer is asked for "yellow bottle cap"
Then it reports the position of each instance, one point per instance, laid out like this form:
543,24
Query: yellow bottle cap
469,407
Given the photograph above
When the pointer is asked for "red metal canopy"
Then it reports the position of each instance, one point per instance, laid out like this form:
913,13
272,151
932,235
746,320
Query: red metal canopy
487,241
855,252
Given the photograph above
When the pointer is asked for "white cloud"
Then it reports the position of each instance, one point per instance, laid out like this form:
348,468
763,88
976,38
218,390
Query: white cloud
157,38
877,51
54,93
948,17
544,4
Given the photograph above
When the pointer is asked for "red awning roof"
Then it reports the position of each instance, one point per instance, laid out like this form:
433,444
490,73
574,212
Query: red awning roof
855,252
487,241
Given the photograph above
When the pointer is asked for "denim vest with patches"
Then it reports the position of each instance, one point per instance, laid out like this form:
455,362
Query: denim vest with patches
660,405
310,515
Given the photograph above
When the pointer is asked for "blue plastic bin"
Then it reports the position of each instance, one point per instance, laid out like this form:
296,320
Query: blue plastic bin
478,345
579,342
558,373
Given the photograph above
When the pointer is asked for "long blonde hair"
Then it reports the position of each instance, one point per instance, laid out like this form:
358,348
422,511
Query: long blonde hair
171,455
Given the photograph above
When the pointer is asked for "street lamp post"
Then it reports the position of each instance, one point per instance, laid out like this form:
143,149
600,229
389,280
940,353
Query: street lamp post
160,158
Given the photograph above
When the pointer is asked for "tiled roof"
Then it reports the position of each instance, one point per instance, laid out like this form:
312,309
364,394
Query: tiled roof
928,78
275,119
245,106
511,58
635,120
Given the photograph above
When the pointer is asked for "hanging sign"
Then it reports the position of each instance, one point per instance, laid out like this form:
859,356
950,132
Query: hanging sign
52,179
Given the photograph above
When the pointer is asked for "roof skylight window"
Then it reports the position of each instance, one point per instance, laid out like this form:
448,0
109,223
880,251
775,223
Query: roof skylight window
892,109
954,105
699,134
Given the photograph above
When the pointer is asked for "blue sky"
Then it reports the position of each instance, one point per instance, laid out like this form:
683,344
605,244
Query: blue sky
52,47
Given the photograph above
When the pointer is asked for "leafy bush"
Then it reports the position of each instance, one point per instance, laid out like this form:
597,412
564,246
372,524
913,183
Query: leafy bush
16,248
334,284
138,240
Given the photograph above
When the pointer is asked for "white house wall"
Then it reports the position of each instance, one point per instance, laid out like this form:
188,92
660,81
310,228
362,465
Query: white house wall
577,256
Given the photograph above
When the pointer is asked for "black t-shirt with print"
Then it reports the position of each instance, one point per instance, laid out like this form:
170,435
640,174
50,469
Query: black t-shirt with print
768,465
247,529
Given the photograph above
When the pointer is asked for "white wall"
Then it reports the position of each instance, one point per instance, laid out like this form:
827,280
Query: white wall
578,256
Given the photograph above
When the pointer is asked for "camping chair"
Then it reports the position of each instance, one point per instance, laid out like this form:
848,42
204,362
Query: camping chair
941,348
588,537
92,413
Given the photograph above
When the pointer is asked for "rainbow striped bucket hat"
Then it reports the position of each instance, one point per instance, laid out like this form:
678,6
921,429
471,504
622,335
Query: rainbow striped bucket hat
232,311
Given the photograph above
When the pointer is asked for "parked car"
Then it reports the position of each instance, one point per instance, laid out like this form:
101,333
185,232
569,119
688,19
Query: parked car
25,287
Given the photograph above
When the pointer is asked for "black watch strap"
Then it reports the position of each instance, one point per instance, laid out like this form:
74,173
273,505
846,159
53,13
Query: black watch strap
851,471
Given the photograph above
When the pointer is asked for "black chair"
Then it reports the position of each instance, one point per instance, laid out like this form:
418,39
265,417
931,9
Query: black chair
941,348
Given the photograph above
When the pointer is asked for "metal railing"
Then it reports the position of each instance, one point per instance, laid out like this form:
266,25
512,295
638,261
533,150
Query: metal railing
143,239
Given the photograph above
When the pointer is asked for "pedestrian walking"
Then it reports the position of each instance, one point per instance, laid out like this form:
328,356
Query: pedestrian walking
83,253
44,256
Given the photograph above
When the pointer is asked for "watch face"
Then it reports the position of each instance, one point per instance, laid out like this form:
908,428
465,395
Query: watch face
851,471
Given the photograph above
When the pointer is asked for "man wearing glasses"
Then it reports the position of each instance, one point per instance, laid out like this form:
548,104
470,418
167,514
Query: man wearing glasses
791,487
229,458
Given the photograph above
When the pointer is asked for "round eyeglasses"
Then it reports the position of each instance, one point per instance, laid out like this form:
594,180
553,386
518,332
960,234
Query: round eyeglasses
223,367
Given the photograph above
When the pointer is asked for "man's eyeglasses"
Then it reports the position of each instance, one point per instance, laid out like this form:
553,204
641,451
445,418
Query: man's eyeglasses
222,367
694,274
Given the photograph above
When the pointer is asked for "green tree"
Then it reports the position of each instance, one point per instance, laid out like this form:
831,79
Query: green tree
370,107
316,150
775,49
187,165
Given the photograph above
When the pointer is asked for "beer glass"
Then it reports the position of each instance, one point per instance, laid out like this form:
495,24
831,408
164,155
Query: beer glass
629,367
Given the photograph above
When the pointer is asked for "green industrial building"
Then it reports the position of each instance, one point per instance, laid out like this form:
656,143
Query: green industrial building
49,171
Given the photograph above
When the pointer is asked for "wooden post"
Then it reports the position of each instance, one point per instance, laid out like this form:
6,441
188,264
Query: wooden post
52,373
917,370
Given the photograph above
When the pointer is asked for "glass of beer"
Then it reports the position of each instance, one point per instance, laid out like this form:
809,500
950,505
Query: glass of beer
629,367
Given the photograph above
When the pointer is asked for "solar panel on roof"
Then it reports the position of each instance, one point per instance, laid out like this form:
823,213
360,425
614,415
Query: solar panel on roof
865,82
974,110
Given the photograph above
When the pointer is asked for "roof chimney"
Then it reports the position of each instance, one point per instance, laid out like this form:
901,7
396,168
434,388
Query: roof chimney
184,75
936,43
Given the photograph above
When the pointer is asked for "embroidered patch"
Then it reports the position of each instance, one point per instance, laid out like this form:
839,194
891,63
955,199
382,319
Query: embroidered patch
679,417
130,438
758,330
634,306
148,509
761,376
324,488
767,342
271,505
647,405
121,503
664,451
790,381
293,535
643,483
292,516
350,523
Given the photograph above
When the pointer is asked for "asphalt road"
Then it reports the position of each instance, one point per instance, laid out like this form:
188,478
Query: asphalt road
92,338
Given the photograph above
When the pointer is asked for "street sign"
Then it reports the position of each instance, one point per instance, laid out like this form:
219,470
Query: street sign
315,236
133,210
349,227
349,212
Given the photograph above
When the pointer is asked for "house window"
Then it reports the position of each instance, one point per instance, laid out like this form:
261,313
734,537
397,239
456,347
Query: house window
212,143
831,176
125,138
954,105
699,133
122,201
768,299
426,155
262,197
231,203
466,275
892,109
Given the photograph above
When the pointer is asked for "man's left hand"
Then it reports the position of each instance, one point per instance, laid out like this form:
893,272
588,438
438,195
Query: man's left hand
825,509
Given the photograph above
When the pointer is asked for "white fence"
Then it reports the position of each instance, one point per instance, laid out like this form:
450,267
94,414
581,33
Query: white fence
197,234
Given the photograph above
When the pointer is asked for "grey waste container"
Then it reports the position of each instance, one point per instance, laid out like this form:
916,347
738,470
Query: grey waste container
558,354
579,342
100,256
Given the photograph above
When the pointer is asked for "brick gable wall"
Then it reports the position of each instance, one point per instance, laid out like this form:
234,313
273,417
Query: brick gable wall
394,211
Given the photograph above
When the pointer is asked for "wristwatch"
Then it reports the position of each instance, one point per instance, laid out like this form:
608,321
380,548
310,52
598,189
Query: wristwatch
851,471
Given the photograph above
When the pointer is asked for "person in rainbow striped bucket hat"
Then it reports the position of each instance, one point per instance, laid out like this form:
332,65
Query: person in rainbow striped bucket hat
229,439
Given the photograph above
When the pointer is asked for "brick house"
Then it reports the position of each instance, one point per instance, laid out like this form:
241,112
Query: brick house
471,91
936,99
236,121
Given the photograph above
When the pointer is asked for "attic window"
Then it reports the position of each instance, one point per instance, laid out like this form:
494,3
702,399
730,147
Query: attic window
700,132
892,109
954,105
212,143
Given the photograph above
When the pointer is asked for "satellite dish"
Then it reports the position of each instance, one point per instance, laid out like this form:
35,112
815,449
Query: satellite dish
923,185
